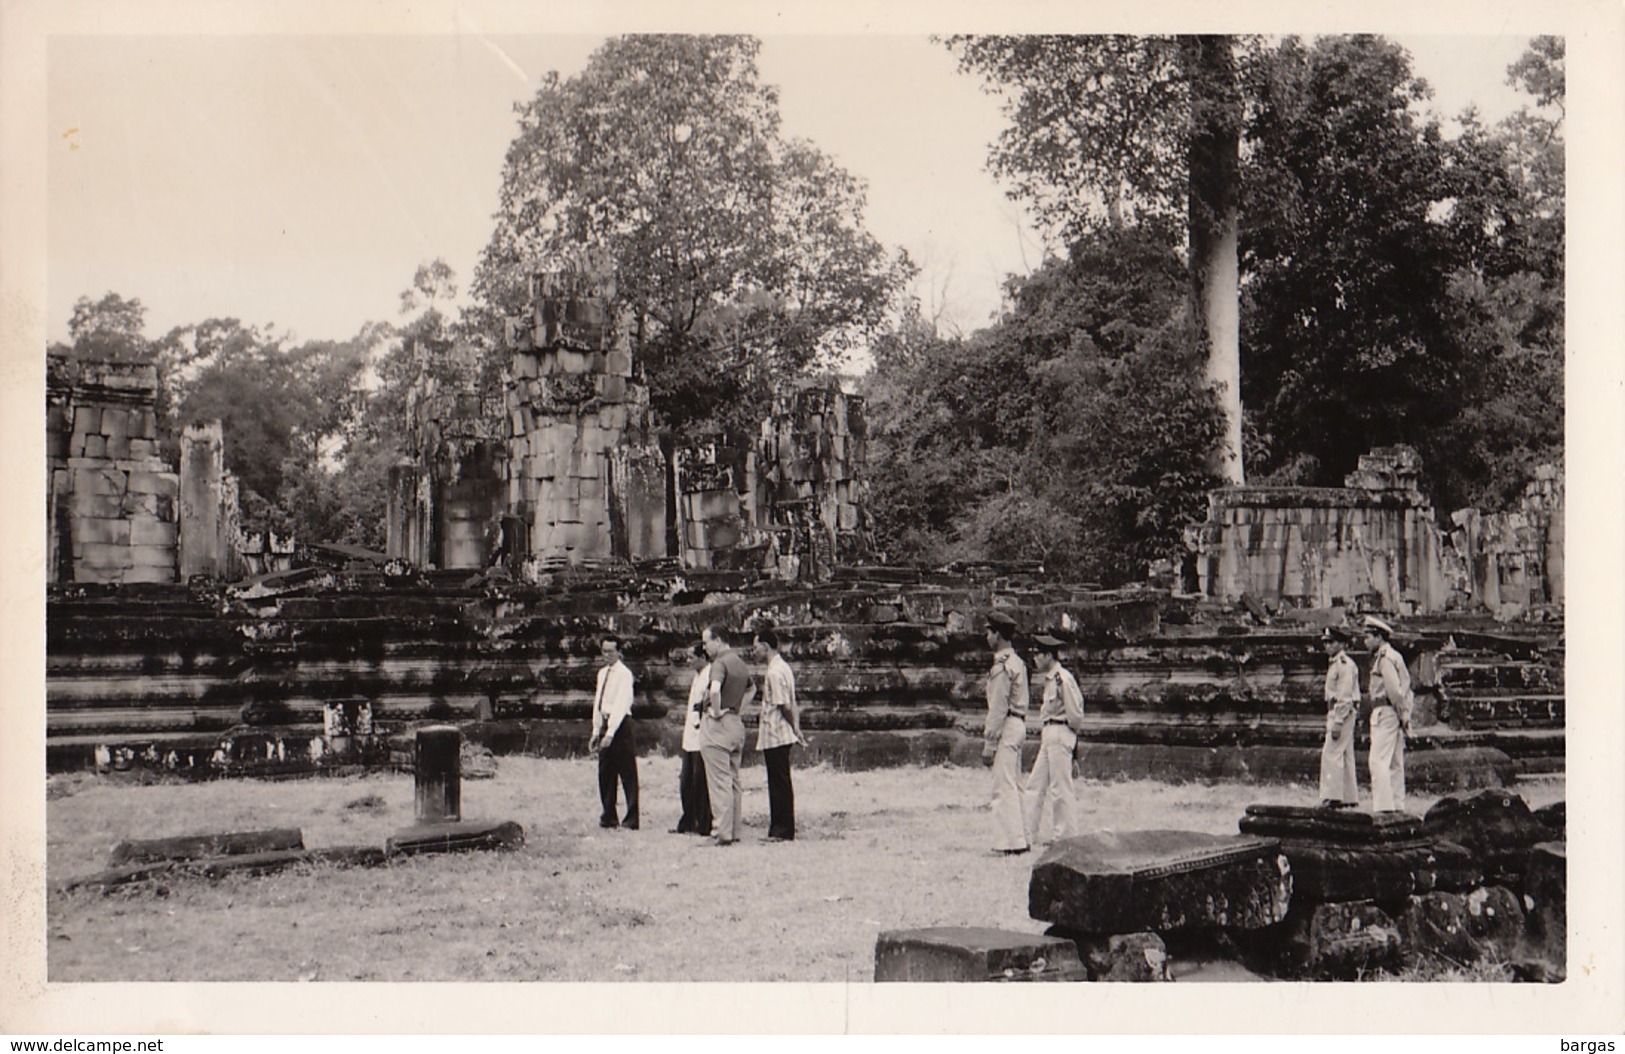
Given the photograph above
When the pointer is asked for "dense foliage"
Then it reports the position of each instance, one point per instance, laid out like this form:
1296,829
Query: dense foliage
740,255
1401,281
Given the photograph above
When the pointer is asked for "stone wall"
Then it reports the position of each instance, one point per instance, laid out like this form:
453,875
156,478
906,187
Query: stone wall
809,481
111,513
1375,544
1513,561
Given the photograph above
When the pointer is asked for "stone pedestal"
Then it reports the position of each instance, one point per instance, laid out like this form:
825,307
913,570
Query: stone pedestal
1159,881
972,953
1348,854
437,753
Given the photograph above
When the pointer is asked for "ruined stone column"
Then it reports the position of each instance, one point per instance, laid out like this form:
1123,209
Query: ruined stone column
202,539
437,765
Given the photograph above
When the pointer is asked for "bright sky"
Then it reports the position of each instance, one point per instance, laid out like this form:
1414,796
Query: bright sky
300,180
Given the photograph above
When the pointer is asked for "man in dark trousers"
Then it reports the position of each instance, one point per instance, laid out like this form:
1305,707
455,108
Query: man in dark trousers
779,730
691,783
612,737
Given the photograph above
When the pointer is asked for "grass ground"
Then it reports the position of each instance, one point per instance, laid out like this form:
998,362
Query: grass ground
878,850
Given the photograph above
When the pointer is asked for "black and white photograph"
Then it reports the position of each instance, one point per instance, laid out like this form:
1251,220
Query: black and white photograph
513,498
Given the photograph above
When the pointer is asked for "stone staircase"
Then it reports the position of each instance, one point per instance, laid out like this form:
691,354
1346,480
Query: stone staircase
888,671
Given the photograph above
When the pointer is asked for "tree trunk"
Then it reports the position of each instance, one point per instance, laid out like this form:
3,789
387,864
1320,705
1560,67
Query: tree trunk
1215,177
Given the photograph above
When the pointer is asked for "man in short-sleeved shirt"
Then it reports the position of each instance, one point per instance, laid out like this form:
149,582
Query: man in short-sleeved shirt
722,732
779,730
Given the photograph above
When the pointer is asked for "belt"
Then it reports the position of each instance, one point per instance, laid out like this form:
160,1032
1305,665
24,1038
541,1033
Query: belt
1379,706
1060,721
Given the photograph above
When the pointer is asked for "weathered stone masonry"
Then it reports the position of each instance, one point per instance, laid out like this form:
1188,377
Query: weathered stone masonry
1374,544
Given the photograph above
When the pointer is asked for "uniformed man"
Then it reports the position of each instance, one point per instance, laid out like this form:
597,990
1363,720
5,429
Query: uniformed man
1339,786
1061,716
1390,690
1006,729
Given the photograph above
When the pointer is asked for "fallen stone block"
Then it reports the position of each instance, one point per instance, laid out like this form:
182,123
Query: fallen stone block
1450,868
1555,818
1545,903
192,847
455,836
1124,957
1331,874
1434,926
265,863
974,953
1331,941
254,863
1136,881
1496,826
1496,920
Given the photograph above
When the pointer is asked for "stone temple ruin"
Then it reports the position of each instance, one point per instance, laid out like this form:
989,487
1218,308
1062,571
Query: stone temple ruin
539,512
560,468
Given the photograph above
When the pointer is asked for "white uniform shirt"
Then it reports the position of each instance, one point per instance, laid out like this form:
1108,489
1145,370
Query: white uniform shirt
613,701
697,689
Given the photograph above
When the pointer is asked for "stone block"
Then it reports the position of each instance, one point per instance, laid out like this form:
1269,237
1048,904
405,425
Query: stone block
1449,867
1496,920
1336,941
1434,926
1160,881
92,505
618,364
1336,826
156,556
145,531
96,556
455,836
149,574
115,422
712,504
144,425
117,448
164,484
88,531
1545,902
1495,825
972,953
87,420
1125,957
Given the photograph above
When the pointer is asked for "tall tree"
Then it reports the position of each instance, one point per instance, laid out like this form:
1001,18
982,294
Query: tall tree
1108,127
1074,431
741,258
111,329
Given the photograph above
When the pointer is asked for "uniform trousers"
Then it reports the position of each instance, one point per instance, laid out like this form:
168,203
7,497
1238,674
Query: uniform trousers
1338,781
781,796
1387,761
724,745
1049,785
1009,825
695,796
618,761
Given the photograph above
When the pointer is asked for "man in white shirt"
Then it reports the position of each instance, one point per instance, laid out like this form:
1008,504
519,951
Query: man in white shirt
778,731
1390,690
691,782
612,737
1339,785
1049,785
